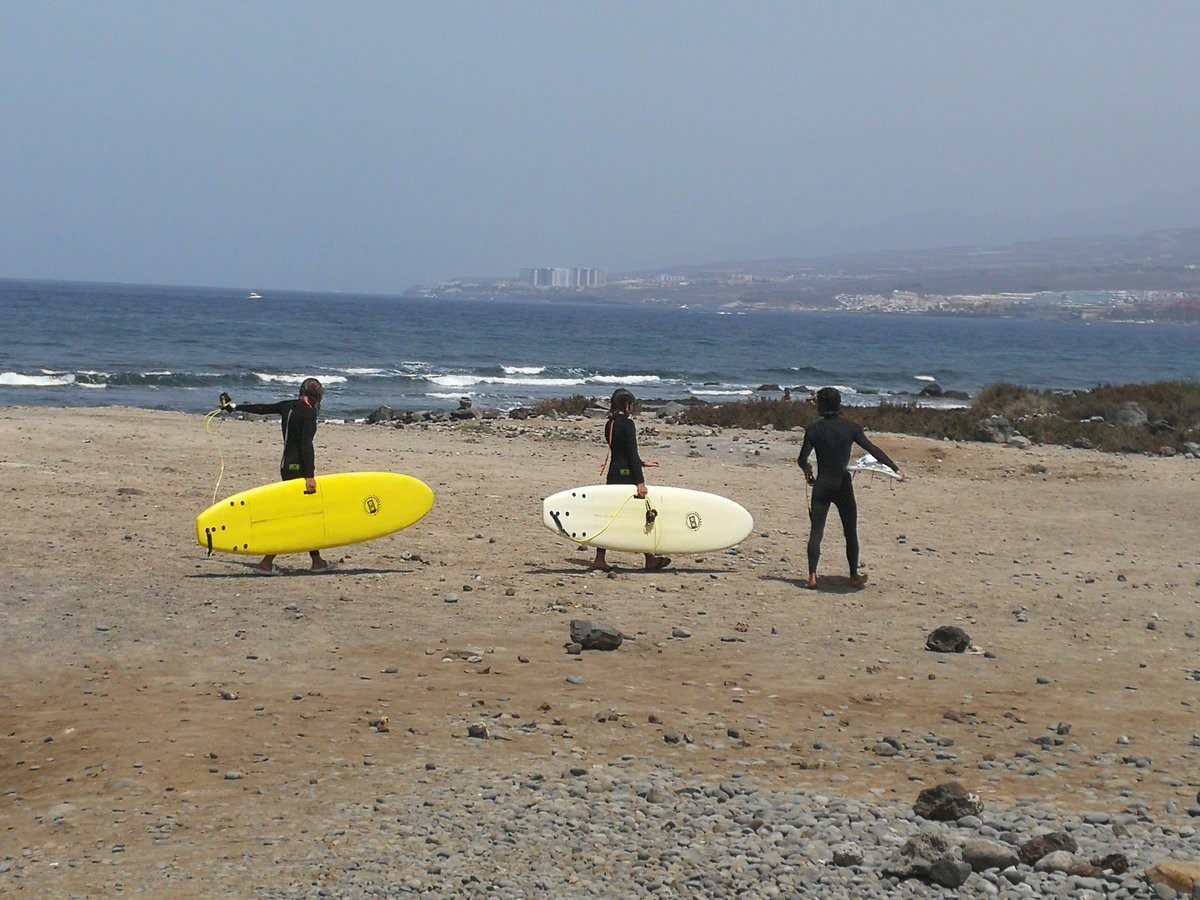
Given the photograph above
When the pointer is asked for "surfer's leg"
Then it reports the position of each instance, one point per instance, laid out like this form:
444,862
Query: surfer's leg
318,564
600,563
848,510
816,517
654,563
267,564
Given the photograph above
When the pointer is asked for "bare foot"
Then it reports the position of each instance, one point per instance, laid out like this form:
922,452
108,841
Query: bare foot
654,563
598,566
812,581
858,580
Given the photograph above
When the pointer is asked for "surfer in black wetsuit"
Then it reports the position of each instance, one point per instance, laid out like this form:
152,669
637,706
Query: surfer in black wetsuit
298,418
625,465
833,439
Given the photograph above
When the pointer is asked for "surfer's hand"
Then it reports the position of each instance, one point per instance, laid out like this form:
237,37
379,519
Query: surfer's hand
310,485
809,476
642,490
651,464
900,476
226,402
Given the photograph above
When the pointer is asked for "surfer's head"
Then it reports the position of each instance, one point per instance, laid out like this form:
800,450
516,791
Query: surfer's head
829,401
312,391
622,401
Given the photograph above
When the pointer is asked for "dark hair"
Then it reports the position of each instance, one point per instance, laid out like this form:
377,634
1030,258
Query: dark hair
622,401
312,391
829,401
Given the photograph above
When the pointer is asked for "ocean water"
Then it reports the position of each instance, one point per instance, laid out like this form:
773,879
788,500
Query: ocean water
80,344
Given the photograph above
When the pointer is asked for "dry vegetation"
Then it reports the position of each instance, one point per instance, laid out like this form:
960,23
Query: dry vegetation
1094,418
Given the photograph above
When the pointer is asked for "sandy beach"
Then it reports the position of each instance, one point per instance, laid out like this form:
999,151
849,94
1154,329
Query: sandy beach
170,722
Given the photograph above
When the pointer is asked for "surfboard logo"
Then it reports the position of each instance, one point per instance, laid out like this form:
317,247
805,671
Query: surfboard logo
372,505
693,521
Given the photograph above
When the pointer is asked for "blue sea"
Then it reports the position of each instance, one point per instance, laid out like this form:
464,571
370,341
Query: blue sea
80,344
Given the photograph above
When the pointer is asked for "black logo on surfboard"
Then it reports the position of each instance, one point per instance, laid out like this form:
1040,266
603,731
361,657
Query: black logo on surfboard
693,521
372,505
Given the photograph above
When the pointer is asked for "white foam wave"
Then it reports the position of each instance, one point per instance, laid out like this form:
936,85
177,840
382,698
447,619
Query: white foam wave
539,382
469,380
454,380
445,395
15,379
268,378
523,370
718,392
924,378
840,388
625,379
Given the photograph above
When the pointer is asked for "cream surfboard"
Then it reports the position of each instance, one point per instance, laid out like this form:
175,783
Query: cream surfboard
347,508
668,520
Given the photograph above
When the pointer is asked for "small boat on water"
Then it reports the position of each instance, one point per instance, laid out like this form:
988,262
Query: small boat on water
254,296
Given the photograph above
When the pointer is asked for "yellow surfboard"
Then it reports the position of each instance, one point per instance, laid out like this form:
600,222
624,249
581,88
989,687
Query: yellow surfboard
347,508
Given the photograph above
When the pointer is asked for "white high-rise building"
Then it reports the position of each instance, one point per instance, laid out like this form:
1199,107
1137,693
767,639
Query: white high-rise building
564,277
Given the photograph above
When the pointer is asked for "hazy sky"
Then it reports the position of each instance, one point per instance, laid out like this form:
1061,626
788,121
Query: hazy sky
368,146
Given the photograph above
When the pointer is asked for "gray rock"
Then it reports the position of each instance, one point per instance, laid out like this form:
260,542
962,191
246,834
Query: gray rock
994,430
1132,415
981,855
848,855
949,872
595,636
1056,861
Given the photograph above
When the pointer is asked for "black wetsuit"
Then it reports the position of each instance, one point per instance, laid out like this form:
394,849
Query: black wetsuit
624,464
833,439
299,423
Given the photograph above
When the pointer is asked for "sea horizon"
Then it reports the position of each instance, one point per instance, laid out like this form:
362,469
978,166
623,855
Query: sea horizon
175,347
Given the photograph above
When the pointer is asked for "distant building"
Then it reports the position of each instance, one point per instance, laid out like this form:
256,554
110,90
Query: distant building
564,277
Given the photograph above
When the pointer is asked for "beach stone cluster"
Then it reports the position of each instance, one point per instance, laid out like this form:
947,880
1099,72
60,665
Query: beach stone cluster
636,829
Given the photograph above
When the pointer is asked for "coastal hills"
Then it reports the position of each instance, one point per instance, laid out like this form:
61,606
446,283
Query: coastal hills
1153,276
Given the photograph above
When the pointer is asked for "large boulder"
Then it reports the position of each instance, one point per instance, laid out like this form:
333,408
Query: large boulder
994,430
948,639
595,636
947,802
1132,415
1045,844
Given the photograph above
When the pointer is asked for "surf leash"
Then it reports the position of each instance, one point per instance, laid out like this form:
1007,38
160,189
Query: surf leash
209,419
651,515
608,439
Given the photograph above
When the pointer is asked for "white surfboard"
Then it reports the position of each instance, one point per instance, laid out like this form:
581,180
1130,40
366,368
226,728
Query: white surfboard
667,520
869,464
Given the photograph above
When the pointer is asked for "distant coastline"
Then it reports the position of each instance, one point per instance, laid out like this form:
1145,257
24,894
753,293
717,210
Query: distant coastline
1149,278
